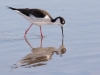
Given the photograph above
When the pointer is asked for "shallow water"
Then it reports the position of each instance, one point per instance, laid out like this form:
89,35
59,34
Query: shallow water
81,39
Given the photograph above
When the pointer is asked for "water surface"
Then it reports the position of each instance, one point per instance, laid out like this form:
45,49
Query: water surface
81,38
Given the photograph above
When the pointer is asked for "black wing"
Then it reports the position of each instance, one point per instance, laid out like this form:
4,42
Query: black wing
36,12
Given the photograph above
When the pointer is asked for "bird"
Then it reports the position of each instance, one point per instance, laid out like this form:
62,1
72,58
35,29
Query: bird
39,17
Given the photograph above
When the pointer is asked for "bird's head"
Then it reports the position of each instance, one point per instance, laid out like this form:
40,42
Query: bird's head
59,21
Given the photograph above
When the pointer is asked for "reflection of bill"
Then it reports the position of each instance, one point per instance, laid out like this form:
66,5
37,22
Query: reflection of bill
40,55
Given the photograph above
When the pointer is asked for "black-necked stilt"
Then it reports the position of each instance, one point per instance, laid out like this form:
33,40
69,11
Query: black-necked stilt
39,17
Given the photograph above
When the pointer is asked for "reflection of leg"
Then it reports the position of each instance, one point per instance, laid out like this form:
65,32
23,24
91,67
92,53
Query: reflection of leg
27,30
41,31
41,42
28,42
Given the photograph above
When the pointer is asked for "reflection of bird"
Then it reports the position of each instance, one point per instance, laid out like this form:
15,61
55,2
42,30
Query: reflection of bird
39,17
40,55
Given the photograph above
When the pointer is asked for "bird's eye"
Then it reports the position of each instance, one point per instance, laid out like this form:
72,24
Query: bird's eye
63,22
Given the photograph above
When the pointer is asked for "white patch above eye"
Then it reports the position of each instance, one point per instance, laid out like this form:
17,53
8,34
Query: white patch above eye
63,22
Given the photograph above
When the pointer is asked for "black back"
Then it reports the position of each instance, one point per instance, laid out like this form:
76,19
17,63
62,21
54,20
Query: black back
36,12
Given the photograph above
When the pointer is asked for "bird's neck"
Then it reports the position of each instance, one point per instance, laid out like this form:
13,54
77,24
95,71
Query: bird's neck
56,20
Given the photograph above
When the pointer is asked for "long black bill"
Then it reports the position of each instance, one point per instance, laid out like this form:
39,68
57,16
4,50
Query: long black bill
62,31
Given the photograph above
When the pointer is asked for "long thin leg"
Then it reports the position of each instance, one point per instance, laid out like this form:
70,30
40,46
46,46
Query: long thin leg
27,30
41,31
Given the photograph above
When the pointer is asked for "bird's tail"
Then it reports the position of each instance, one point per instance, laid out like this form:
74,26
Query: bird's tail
11,8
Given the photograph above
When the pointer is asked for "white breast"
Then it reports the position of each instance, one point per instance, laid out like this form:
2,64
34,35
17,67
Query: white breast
41,21
37,21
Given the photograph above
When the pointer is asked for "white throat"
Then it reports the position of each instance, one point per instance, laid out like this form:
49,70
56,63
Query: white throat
57,21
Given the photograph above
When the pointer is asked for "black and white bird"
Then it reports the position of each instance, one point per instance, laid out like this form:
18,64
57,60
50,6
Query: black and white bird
39,17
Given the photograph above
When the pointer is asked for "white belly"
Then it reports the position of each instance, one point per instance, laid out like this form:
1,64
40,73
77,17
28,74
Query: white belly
37,21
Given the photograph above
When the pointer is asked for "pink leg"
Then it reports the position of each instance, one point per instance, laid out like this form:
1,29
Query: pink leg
41,31
27,30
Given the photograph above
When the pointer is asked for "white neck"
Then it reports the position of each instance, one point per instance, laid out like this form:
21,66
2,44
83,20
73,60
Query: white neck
57,21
